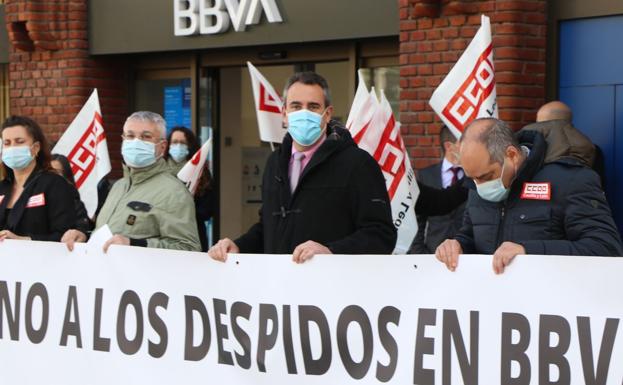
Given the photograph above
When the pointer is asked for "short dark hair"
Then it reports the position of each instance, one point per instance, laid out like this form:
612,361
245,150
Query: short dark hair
191,139
34,130
67,172
445,135
496,137
309,78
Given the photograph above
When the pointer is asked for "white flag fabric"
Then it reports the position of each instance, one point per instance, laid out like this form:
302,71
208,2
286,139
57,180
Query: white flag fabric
192,170
468,91
84,145
268,106
381,138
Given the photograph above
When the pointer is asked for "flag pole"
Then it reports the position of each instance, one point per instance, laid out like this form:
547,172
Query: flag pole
272,147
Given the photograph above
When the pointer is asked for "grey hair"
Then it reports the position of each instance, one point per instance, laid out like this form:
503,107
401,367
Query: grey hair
309,78
496,137
151,117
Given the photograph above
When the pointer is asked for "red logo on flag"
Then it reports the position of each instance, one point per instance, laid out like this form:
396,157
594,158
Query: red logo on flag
390,156
196,158
267,102
83,156
463,107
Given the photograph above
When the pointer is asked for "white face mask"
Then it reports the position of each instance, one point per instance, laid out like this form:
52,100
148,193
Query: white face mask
493,190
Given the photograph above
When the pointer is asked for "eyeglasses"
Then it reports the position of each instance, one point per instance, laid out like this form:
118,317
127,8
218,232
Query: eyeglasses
145,136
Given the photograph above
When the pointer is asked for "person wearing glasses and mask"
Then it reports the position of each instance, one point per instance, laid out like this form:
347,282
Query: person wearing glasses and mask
148,207
35,202
519,204
321,194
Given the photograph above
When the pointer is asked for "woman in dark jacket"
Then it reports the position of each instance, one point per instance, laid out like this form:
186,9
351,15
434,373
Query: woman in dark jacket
183,144
35,202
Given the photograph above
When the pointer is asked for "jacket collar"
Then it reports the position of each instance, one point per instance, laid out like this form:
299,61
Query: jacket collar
140,175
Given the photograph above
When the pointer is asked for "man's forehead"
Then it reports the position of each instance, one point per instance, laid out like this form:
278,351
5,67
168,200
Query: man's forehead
475,158
139,125
305,93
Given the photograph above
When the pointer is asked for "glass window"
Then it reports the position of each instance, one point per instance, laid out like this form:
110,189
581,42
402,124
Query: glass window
169,97
388,80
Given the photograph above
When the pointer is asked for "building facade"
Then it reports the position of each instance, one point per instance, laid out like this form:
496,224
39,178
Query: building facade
189,64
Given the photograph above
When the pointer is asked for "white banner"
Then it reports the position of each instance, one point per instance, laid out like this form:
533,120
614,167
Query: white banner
84,145
468,91
147,316
268,105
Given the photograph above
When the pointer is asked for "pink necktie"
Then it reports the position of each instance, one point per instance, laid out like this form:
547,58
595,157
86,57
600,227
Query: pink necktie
296,169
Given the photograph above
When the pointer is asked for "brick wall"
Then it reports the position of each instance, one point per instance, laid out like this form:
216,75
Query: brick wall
51,74
434,33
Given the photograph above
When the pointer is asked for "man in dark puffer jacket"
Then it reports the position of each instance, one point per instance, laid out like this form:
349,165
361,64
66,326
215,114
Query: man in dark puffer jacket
519,205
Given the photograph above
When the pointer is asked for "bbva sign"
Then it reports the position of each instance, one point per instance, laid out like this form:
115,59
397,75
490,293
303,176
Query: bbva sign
207,17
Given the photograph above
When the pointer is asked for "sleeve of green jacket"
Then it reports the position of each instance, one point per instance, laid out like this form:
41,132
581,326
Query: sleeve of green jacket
178,225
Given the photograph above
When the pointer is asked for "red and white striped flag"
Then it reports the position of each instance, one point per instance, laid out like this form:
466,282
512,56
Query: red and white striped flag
268,105
193,169
468,91
84,145
380,136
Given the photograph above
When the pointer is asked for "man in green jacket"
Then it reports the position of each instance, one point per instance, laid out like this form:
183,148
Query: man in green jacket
148,207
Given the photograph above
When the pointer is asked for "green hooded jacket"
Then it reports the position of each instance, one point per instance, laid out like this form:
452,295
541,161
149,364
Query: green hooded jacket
152,205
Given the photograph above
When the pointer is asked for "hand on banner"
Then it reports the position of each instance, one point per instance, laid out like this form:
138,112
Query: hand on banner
306,250
6,234
117,239
222,248
448,252
71,237
505,254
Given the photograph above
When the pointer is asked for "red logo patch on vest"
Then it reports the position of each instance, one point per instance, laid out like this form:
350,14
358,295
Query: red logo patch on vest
537,191
36,201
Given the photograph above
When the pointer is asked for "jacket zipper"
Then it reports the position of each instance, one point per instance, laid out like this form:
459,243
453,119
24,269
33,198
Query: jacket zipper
500,227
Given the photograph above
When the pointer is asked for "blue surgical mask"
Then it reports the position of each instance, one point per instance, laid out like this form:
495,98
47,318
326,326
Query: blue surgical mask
17,158
138,153
493,190
304,127
178,152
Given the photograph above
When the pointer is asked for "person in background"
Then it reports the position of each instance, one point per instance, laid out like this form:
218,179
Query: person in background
148,207
35,202
182,145
432,230
60,164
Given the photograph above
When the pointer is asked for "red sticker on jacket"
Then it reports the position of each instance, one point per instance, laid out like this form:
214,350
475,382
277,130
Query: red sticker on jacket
537,191
36,201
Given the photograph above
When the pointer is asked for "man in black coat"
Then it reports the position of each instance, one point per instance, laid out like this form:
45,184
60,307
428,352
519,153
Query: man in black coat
434,229
519,205
321,193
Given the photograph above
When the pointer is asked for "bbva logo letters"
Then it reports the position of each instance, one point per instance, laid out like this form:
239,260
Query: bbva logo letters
208,17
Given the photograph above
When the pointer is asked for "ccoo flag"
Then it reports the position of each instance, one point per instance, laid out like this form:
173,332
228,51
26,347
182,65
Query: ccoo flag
468,91
268,106
84,145
192,170
379,135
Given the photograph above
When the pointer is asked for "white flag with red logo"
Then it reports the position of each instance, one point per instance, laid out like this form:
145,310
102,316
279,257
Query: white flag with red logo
468,91
380,137
193,169
362,109
84,145
268,106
